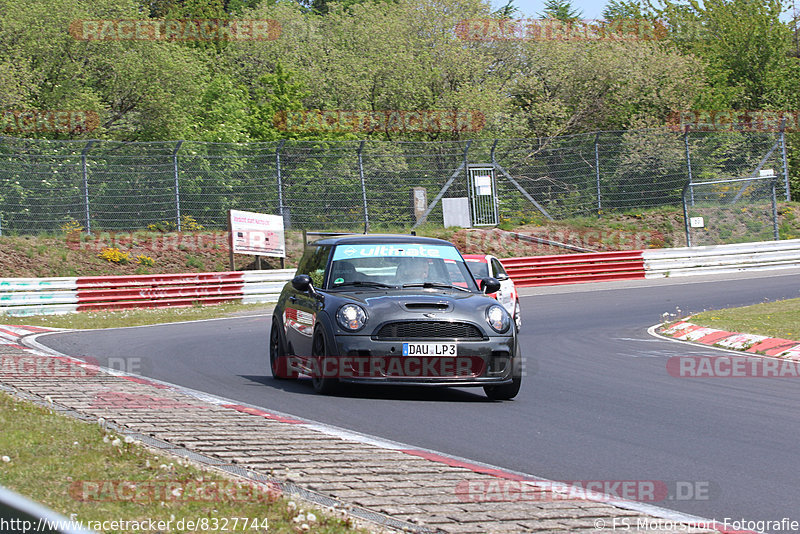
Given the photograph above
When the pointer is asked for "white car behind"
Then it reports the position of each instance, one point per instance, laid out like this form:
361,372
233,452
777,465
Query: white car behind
484,265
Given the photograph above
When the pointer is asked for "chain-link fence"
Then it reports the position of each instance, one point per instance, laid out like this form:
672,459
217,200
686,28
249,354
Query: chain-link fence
738,210
107,185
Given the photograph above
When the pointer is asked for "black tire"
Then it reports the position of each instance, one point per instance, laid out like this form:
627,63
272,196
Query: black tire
324,385
278,361
508,391
504,392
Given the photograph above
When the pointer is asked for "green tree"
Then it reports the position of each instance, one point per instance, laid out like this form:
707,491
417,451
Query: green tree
274,93
561,10
509,10
570,87
624,9
223,113
401,55
747,49
140,89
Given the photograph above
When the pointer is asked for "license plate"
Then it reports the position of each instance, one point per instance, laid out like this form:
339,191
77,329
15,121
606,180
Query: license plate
429,349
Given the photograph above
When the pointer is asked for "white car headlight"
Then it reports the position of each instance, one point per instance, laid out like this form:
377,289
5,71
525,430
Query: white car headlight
351,317
498,318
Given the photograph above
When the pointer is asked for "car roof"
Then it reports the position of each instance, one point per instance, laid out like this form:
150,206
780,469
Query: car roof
379,238
483,258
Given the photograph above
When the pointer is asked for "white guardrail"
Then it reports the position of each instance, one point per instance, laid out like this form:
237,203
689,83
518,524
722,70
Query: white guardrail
720,259
39,296
36,296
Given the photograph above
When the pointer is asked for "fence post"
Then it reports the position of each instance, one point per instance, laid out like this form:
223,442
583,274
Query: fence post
1,215
280,181
689,164
494,184
469,186
86,185
597,171
686,215
774,212
363,187
785,162
177,187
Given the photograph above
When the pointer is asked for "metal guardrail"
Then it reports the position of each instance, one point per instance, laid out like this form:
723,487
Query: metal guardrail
575,268
720,259
656,263
34,296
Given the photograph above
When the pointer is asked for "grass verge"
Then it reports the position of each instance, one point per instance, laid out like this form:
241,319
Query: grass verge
137,317
774,319
81,471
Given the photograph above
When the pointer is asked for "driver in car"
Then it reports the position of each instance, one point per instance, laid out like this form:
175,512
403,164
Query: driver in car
414,270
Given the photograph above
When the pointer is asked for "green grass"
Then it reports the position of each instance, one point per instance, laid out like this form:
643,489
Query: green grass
136,317
774,319
53,459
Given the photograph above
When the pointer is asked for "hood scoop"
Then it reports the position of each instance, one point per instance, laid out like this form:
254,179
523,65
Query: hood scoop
428,306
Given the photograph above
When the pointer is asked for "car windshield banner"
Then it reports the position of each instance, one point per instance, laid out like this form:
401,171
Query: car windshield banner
396,250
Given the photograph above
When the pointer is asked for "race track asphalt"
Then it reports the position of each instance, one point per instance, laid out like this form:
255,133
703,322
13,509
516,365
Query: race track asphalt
597,403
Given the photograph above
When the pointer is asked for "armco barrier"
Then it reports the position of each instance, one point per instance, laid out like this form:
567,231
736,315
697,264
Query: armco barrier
33,296
720,259
656,263
575,268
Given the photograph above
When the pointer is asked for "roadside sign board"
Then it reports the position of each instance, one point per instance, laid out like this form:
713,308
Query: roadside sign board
258,234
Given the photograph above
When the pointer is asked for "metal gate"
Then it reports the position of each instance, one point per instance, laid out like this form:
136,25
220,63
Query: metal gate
483,196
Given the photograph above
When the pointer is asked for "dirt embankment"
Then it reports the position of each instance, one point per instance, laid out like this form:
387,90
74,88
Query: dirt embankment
148,252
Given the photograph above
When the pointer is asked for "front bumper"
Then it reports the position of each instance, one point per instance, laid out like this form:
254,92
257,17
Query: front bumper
365,360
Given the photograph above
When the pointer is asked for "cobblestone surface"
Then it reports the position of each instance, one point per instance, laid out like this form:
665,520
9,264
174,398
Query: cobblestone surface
424,493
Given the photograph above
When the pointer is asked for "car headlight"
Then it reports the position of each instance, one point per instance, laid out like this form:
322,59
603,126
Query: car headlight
498,318
351,317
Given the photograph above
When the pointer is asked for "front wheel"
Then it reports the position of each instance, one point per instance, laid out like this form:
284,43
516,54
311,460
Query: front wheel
278,361
508,391
323,384
504,392
517,316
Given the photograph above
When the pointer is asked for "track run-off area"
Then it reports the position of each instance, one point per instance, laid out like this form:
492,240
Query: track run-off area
597,402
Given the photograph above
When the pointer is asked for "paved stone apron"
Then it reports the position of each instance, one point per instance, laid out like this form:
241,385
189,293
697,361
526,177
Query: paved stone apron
398,489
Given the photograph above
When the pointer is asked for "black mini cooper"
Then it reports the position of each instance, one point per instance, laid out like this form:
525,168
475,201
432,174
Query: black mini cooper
394,310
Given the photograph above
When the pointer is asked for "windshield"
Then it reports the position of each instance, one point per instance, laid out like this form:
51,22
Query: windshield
478,268
397,264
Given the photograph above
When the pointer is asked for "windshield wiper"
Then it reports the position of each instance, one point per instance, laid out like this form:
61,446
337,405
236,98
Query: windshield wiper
437,284
362,283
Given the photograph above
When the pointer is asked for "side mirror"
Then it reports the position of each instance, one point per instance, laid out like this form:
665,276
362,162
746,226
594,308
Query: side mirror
490,285
502,276
302,282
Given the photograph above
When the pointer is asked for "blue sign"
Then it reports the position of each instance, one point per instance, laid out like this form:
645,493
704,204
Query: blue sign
396,250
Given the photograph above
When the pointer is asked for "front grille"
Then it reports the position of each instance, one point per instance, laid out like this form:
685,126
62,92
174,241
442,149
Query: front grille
429,330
